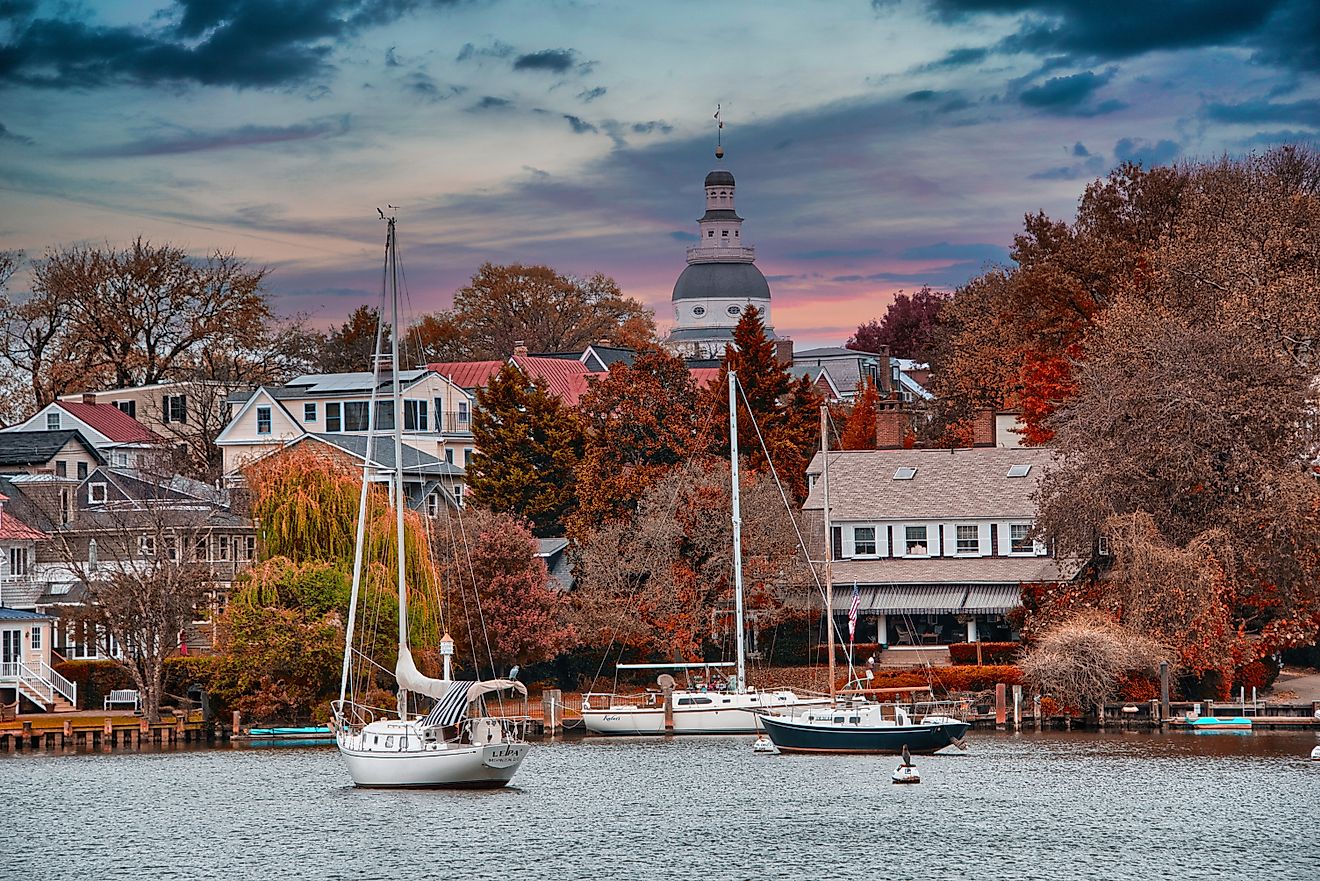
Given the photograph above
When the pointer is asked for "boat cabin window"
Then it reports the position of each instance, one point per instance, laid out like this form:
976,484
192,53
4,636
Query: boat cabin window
838,720
389,741
855,720
685,701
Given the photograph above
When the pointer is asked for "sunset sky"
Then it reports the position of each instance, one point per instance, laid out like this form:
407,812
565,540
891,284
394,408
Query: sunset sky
877,145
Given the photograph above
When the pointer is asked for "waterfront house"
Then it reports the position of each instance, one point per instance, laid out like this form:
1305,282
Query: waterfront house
120,439
334,407
938,542
27,679
169,409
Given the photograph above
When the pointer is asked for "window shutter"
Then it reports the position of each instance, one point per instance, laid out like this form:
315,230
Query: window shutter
165,408
836,542
183,408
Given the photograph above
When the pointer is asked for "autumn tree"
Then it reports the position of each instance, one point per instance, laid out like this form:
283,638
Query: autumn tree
907,329
349,348
528,449
544,309
859,433
659,580
641,420
135,316
504,607
1081,661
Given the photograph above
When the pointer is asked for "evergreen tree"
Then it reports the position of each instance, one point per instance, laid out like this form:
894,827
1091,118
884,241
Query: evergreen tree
859,432
529,446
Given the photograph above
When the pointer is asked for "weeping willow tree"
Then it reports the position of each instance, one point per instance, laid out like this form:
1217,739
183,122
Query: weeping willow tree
305,502
281,638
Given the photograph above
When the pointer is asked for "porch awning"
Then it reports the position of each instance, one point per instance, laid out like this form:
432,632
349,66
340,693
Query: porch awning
992,598
903,598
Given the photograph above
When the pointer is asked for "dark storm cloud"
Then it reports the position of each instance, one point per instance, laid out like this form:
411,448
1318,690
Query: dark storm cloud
1079,149
1071,95
238,43
957,58
1258,111
552,60
490,102
1147,153
224,139
580,126
12,137
1117,28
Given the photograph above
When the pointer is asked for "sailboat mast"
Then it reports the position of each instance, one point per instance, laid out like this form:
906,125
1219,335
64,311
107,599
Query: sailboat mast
398,453
737,531
829,543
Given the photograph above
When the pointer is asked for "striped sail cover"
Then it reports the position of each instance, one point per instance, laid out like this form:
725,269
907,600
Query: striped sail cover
450,709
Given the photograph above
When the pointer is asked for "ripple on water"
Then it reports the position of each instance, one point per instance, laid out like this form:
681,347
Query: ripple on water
1030,806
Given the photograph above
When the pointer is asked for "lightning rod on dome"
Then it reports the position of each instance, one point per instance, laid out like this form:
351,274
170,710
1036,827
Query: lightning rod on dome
719,133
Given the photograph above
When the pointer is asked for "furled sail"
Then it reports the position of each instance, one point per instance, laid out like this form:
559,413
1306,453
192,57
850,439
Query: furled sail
412,679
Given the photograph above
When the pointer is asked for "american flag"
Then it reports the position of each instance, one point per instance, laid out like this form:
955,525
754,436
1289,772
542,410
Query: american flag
852,613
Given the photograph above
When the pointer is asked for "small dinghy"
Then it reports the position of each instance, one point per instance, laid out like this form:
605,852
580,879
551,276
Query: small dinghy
763,744
1315,754
906,772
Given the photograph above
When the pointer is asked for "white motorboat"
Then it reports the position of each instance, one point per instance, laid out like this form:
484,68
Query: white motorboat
730,707
447,746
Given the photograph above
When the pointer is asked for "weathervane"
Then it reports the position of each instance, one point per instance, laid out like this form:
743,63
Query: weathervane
719,134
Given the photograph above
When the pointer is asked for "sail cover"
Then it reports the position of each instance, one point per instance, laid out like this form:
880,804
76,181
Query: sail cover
412,679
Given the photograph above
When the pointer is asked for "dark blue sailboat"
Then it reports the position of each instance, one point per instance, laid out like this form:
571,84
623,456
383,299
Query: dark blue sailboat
862,728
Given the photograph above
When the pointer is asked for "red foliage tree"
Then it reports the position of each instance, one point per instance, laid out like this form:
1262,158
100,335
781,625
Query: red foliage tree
859,432
907,329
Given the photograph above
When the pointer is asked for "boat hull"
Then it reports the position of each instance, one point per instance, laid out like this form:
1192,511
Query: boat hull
742,716
795,737
487,766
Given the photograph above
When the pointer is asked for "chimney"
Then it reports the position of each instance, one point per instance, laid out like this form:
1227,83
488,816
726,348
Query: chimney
89,397
983,428
891,425
784,351
606,341
520,348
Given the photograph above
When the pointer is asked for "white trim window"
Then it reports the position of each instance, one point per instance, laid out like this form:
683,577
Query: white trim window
309,411
1019,538
245,547
916,541
18,562
53,420
176,409
96,493
968,537
146,545
458,494
864,541
334,417
36,637
220,548
462,412
263,420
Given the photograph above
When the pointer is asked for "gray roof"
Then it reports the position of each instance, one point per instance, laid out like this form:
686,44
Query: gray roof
967,483
8,614
723,281
611,355
719,178
831,352
719,214
21,448
315,385
414,460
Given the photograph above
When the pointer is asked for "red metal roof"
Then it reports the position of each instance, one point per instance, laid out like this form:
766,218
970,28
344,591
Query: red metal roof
112,422
704,376
565,378
13,529
467,374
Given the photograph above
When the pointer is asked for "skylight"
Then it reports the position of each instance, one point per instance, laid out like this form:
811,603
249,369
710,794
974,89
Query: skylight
905,473
1019,471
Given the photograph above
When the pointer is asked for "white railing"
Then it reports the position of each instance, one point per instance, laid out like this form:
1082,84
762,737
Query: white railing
43,683
711,253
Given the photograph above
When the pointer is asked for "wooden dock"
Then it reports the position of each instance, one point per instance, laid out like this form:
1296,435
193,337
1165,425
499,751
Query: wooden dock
105,730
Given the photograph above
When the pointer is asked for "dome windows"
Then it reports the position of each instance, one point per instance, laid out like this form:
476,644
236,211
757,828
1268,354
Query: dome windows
734,310
698,311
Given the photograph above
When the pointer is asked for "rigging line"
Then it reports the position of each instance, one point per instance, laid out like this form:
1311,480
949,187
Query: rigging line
467,611
774,472
476,595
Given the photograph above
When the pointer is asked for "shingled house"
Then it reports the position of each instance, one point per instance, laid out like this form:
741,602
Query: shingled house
937,542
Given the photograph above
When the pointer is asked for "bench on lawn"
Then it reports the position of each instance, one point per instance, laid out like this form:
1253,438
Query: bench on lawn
124,696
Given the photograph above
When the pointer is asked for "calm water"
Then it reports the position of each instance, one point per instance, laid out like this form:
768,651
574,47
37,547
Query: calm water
1121,806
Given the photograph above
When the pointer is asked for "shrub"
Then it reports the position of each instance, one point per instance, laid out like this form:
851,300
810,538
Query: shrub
1082,661
95,680
1256,674
991,652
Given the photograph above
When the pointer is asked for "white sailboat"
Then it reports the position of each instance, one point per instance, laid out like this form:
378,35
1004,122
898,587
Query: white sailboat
729,708
447,746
